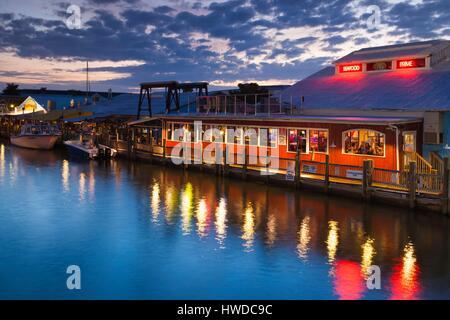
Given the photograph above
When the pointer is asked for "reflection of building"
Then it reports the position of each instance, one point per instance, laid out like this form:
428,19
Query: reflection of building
347,140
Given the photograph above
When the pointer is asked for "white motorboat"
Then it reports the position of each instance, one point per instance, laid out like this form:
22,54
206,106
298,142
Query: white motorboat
87,149
36,136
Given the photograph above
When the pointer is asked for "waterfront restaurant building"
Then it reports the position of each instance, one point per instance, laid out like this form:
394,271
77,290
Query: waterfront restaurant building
385,104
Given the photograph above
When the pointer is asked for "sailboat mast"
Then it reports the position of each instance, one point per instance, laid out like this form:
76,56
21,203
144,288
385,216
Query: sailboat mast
87,79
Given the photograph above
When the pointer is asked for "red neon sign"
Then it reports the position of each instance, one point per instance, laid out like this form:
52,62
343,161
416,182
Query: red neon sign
411,63
350,68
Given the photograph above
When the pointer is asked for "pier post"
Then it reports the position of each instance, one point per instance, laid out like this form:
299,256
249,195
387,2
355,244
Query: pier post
244,167
412,183
298,169
367,178
225,169
164,151
129,142
150,138
445,187
327,173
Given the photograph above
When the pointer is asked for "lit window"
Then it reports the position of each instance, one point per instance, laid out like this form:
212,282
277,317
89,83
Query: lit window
207,133
318,141
234,135
293,139
367,142
251,136
268,137
178,132
218,134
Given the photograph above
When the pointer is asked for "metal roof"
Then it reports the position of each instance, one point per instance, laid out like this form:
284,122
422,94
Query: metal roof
290,118
408,90
408,50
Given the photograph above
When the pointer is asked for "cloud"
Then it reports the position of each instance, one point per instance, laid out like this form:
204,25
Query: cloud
224,41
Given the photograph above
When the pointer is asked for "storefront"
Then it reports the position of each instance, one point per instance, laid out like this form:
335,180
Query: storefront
347,140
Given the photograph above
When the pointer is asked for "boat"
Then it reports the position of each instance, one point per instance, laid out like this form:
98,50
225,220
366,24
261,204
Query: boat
86,148
36,136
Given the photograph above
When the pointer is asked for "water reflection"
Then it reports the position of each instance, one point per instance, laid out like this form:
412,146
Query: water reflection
304,237
155,201
271,233
170,203
332,240
248,227
186,207
2,161
91,181
368,252
221,222
202,218
65,175
281,228
348,280
82,185
405,279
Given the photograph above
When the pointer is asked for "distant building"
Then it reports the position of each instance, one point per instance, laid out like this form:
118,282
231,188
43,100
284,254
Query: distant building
20,106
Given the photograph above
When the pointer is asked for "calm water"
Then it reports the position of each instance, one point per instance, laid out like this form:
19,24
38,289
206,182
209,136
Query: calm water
142,231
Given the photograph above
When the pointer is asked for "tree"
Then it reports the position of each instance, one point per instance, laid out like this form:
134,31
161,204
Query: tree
251,88
11,89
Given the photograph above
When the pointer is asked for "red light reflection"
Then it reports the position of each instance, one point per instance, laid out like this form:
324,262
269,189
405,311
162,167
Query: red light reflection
405,279
349,283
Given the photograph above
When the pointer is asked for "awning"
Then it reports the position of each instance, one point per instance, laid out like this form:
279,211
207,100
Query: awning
61,114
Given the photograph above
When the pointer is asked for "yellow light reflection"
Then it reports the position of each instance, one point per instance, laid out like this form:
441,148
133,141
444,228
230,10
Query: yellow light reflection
405,284
271,232
155,201
221,221
202,217
332,240
186,207
65,174
368,252
82,185
91,182
170,203
248,227
409,270
304,237
2,161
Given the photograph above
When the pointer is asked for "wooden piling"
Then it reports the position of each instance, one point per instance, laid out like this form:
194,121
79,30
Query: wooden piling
164,151
244,167
367,178
446,188
412,184
327,173
298,169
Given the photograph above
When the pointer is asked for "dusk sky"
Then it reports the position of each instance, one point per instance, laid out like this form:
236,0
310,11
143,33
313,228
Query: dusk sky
223,42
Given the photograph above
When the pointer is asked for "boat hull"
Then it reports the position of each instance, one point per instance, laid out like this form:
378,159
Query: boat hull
78,151
46,142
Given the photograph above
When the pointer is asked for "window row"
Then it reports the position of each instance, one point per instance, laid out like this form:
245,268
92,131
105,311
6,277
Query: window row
311,140
227,134
358,141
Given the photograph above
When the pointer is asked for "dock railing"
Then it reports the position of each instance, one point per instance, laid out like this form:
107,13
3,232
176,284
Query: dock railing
246,104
